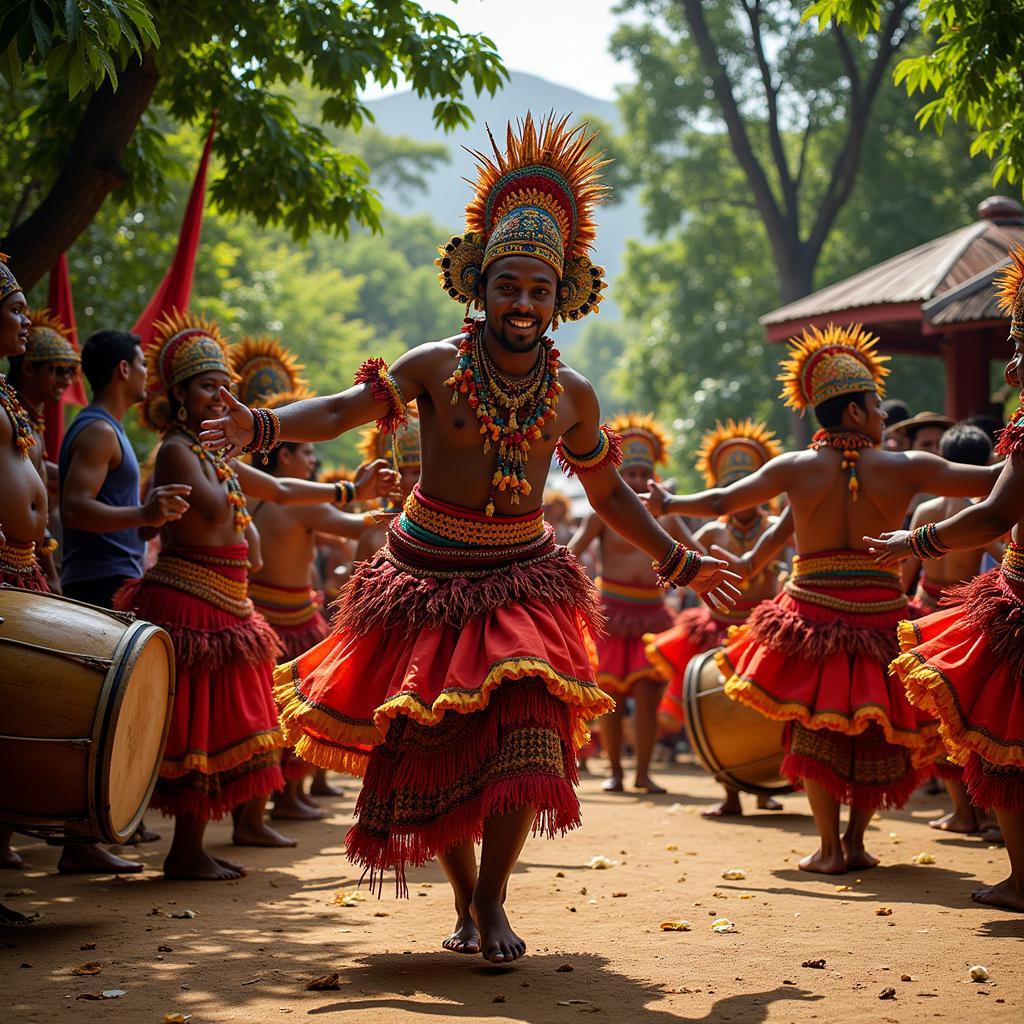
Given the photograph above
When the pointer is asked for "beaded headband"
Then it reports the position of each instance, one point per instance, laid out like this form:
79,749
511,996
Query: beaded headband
735,450
48,340
184,346
1010,291
8,282
644,440
825,364
536,199
268,374
400,446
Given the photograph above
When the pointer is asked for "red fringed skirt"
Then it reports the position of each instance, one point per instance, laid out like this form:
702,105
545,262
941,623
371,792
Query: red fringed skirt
696,630
965,665
224,742
631,612
458,680
816,657
19,567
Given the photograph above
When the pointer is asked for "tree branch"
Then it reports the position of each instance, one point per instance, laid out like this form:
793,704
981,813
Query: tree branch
91,170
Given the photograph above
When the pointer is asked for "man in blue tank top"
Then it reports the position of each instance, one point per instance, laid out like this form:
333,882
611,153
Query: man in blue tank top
105,521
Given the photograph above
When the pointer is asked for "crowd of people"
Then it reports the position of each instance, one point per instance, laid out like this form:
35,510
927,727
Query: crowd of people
468,651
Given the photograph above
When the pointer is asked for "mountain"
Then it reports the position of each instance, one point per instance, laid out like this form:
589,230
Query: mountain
406,114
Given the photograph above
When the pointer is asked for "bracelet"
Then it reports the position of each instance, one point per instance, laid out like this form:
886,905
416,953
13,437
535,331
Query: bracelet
678,568
266,431
344,492
924,542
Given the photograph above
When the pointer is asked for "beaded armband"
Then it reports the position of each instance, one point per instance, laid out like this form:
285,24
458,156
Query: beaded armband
924,542
344,492
678,568
375,372
608,452
266,431
1011,437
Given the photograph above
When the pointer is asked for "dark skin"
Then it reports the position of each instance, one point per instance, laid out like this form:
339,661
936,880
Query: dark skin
520,298
826,519
974,527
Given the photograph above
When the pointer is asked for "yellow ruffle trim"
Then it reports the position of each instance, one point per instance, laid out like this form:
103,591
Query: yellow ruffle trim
586,701
924,746
618,687
225,761
660,663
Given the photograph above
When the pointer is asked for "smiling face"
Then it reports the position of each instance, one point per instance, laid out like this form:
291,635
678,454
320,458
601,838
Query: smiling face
1012,373
200,395
48,380
519,299
14,325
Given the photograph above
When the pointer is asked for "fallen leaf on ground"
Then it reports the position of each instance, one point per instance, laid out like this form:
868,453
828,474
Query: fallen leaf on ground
675,926
818,965
177,1018
165,949
734,875
600,862
979,973
87,945
327,983
87,969
619,895
884,912
746,895
185,915
722,926
844,888
671,846
907,977
887,993
114,993
924,858
346,899
573,1002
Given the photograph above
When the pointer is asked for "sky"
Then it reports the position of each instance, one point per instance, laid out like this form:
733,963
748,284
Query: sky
531,35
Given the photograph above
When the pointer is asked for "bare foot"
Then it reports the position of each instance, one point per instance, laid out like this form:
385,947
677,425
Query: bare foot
768,803
860,860
203,868
648,785
613,784
499,944
1005,894
321,787
90,859
230,865
991,833
247,834
13,917
730,807
822,865
965,824
12,860
465,938
292,809
307,801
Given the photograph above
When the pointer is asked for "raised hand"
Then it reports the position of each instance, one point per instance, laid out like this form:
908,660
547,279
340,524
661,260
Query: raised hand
166,503
890,547
656,499
717,586
377,480
233,431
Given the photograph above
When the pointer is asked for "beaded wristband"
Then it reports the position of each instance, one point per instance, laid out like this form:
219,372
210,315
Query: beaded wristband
266,431
924,542
344,492
678,568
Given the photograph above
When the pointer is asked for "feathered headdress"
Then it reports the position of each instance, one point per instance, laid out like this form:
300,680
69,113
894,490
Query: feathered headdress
644,440
401,446
536,199
8,282
184,345
268,374
48,340
825,364
1010,291
335,475
735,450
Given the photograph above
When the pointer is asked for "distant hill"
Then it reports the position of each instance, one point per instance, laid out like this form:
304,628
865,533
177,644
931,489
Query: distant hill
446,196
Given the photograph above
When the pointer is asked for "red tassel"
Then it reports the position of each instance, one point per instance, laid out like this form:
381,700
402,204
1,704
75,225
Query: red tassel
989,604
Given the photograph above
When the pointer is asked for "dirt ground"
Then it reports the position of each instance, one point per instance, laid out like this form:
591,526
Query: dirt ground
595,946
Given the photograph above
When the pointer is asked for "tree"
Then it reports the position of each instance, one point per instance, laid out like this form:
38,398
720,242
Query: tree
97,84
976,68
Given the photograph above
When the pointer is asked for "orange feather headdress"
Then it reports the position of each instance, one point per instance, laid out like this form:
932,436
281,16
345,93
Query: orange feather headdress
1010,290
268,374
735,450
644,440
48,340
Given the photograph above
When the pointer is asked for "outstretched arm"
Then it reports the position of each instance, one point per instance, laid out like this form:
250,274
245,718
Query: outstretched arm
283,490
770,480
933,474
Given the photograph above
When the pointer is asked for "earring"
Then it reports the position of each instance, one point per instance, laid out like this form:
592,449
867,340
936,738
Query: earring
182,414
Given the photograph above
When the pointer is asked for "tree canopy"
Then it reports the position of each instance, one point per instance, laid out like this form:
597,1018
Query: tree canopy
96,86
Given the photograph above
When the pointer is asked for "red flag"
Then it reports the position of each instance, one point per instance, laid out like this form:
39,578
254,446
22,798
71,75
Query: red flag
61,303
176,288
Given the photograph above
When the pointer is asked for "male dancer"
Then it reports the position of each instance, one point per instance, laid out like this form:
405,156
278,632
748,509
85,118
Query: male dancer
727,453
633,605
816,657
459,676
965,663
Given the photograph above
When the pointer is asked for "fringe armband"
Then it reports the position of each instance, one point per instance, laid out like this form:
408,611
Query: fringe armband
678,568
375,372
1011,437
608,452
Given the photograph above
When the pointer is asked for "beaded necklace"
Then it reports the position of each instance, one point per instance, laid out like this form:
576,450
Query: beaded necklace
745,535
850,443
225,473
511,412
24,437
38,419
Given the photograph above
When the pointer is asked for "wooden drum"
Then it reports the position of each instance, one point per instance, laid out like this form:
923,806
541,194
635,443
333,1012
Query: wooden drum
85,705
736,744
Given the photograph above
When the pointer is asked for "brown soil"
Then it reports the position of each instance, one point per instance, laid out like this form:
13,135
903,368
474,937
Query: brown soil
595,947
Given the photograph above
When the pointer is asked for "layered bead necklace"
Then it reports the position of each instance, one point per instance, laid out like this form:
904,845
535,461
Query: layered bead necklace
850,443
225,473
24,437
745,536
511,412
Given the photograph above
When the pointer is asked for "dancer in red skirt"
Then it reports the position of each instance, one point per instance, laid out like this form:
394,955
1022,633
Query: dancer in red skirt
222,751
817,656
965,663
728,453
458,679
633,604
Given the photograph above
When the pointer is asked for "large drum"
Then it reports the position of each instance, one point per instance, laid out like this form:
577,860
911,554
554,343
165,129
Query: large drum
736,744
85,705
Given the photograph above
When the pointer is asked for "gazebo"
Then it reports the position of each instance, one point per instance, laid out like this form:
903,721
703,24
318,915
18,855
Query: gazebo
933,300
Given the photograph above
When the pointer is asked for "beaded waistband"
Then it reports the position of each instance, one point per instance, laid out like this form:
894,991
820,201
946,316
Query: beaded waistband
285,606
18,557
628,593
1012,566
436,522
211,578
849,571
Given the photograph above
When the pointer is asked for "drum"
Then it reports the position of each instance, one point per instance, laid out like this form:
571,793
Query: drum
736,744
85,705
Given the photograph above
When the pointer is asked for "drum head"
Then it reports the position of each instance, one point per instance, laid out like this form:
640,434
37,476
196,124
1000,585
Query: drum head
139,726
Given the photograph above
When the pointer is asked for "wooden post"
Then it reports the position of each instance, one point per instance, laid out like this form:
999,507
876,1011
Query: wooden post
966,355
